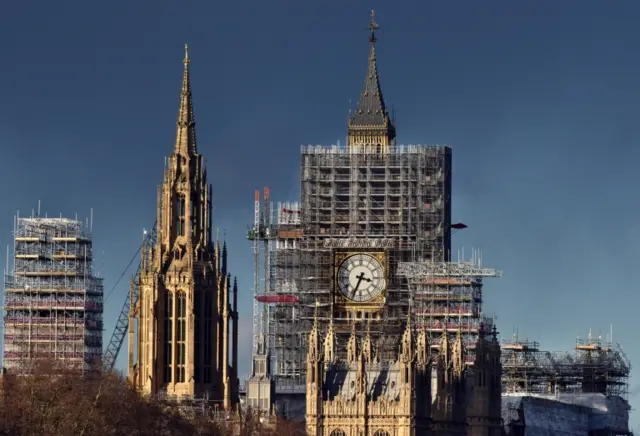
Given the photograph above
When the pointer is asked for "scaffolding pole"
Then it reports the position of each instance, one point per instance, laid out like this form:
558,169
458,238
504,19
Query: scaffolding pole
447,298
53,298
594,366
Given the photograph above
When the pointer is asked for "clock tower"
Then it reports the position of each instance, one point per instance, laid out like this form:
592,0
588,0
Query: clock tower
365,208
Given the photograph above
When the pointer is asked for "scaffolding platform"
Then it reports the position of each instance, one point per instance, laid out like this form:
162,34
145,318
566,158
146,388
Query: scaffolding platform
594,366
398,201
447,297
53,300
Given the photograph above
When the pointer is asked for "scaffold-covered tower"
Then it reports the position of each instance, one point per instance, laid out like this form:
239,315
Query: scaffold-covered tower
53,299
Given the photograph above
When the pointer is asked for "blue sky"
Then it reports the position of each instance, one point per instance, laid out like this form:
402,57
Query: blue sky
538,100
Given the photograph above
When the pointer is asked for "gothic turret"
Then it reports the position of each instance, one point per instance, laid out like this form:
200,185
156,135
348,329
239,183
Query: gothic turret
352,345
184,209
457,354
329,345
484,414
182,318
406,349
423,377
315,367
370,127
407,367
367,345
422,347
261,388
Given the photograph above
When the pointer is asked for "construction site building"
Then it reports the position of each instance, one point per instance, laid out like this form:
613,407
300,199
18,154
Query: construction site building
53,299
397,202
370,197
276,235
447,296
571,393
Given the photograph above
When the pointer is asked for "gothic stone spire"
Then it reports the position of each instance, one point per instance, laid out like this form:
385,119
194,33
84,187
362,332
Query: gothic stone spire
370,125
186,131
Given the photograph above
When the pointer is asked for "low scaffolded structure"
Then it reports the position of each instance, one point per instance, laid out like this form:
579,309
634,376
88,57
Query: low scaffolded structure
447,297
595,366
53,300
579,392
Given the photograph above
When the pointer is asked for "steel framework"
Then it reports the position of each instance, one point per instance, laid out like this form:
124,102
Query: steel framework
594,366
274,235
397,202
53,299
122,325
447,297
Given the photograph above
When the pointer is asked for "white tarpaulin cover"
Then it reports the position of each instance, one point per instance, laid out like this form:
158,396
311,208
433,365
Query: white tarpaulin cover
564,414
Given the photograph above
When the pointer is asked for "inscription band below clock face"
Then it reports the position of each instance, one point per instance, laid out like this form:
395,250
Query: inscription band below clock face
361,278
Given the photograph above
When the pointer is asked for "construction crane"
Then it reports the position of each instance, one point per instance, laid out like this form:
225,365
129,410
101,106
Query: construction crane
122,326
261,231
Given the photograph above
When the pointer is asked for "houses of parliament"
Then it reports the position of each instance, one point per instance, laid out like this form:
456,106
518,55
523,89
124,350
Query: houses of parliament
372,367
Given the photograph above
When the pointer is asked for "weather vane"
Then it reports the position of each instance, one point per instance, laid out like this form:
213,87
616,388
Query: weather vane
373,26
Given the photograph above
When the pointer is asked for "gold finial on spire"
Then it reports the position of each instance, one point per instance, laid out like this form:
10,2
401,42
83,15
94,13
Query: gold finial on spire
186,54
373,26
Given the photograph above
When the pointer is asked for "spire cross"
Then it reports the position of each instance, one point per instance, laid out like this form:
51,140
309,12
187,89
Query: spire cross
186,54
373,26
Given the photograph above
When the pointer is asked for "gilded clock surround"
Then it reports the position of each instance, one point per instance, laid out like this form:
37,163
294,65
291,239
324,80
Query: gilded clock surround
342,302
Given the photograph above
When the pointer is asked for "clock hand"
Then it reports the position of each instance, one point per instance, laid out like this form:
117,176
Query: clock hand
360,278
353,294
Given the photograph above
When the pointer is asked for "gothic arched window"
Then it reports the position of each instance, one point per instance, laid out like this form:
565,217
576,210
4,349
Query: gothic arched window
180,215
181,337
338,432
381,433
168,336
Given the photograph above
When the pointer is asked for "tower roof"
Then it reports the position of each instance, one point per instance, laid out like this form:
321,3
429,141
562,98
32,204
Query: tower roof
186,129
371,109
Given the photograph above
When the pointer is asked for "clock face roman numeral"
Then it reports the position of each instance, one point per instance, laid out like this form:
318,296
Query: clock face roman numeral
360,277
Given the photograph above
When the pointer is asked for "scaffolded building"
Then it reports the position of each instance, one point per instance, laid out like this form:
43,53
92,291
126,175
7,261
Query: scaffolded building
53,299
276,236
595,366
572,393
397,202
447,297
369,196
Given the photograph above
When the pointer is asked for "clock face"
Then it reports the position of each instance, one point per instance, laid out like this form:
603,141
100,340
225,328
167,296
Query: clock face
361,278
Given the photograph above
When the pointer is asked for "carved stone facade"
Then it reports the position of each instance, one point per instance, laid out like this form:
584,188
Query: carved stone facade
366,396
186,334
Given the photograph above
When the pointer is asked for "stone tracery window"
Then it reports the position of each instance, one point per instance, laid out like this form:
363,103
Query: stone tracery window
381,433
180,215
338,432
181,337
168,336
